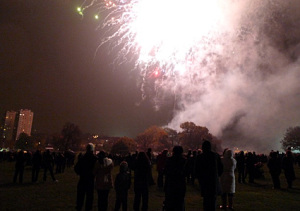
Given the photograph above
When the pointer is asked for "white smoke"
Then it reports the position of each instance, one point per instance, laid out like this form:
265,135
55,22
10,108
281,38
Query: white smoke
247,91
234,68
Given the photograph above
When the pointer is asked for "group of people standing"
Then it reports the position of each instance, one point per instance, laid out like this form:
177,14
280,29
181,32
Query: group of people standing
215,174
96,171
38,161
276,163
248,164
209,168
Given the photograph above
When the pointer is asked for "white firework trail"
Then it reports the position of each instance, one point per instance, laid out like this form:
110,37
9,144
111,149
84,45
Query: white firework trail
168,37
179,40
207,52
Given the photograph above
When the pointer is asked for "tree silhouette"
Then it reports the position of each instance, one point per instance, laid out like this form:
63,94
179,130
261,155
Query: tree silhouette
70,136
25,142
119,148
291,138
57,141
154,137
192,136
124,146
172,137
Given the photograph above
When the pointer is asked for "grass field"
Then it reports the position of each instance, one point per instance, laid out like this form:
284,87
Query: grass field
62,195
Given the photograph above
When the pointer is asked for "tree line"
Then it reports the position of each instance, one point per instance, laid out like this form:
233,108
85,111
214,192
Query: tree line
158,138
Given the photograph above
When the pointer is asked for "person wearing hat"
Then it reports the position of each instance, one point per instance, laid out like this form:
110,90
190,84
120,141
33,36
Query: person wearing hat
85,187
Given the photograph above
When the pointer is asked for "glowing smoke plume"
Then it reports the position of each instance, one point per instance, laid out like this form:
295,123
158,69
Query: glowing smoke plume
231,65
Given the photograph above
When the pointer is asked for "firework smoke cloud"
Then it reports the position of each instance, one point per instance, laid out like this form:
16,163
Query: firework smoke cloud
230,65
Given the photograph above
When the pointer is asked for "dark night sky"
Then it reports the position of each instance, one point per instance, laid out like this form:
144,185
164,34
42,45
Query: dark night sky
47,65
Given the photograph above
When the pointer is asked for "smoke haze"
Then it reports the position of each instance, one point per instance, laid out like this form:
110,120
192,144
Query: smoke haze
246,90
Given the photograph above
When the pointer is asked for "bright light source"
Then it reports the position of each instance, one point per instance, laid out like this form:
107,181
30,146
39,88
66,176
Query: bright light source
96,17
79,10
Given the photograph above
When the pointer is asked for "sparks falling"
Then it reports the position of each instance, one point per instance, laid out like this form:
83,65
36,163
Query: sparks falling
220,59
171,35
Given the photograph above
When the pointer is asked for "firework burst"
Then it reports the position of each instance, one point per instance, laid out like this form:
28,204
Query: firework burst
221,60
170,36
184,45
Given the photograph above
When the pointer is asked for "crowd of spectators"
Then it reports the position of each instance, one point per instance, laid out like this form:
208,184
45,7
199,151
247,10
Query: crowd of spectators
46,161
214,173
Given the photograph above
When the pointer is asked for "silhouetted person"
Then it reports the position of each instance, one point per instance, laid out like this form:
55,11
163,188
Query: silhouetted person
69,158
104,182
274,165
175,185
288,167
60,162
298,159
250,166
228,179
189,165
129,159
48,162
141,181
122,185
193,164
149,154
19,167
240,158
85,187
160,167
208,170
36,165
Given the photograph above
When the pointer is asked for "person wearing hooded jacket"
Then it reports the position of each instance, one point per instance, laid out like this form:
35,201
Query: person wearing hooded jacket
104,181
122,185
227,179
